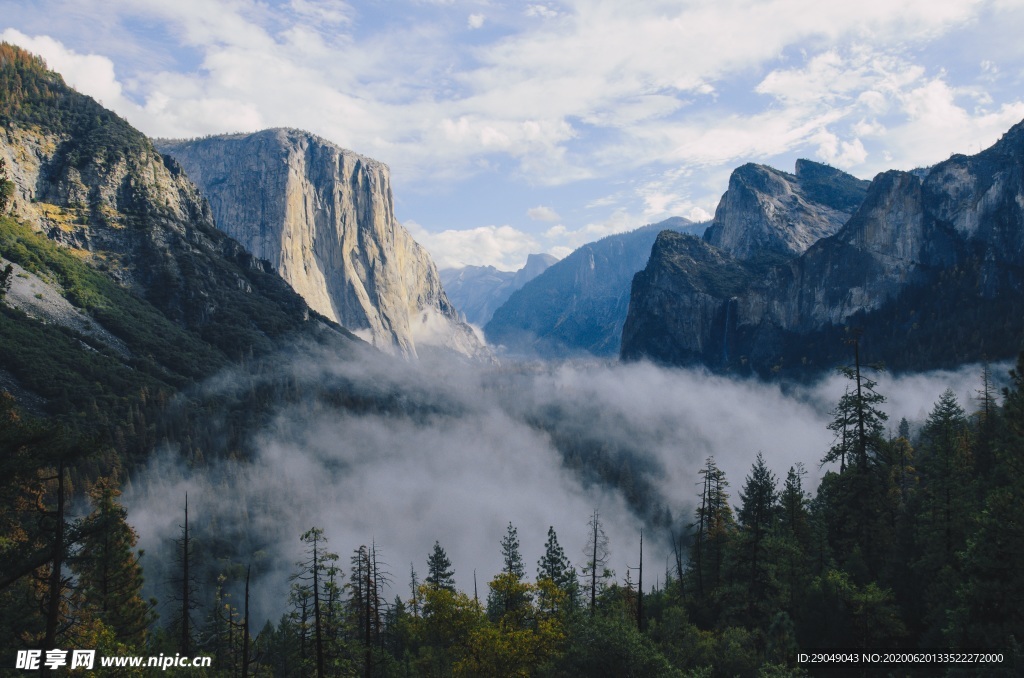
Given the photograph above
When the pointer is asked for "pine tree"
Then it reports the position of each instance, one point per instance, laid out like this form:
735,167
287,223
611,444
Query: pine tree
857,500
509,597
989,609
752,560
795,534
555,567
108,570
513,561
715,527
439,569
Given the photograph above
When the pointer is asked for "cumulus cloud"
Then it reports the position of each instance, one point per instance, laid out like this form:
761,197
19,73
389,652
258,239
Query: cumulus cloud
634,90
503,247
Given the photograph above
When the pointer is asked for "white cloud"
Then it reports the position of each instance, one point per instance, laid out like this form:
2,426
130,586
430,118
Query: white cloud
503,247
542,213
542,11
564,92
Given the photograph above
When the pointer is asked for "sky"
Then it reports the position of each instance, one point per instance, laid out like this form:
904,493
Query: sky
517,127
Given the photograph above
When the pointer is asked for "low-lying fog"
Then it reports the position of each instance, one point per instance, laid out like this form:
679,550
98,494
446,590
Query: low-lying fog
461,454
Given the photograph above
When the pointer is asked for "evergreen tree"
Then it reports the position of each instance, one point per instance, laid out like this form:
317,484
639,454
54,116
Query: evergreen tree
941,513
987,424
513,561
752,559
795,536
857,499
108,570
440,574
507,598
555,567
715,527
989,608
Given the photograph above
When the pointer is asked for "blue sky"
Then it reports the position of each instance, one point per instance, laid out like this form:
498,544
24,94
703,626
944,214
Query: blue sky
517,127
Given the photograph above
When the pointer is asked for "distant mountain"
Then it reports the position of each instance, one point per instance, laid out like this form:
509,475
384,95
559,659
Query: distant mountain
929,270
578,305
477,291
324,217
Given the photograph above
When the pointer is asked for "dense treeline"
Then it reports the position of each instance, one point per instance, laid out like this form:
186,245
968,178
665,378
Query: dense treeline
911,542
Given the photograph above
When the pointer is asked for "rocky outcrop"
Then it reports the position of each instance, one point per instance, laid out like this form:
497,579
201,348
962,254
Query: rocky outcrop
324,217
578,305
477,291
769,211
156,289
930,269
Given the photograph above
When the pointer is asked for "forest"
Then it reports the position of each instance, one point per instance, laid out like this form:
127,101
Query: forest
909,543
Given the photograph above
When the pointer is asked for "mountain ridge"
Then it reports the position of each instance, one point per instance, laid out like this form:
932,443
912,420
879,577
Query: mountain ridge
929,271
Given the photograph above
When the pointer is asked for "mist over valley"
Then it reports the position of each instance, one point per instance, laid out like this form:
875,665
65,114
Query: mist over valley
402,454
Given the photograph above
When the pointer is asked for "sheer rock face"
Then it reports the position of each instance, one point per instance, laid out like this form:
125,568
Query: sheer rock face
324,217
926,255
765,210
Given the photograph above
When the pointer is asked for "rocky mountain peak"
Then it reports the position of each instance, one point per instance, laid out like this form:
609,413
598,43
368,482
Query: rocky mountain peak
324,217
766,210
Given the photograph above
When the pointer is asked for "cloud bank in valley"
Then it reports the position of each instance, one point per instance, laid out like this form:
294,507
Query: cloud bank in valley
459,451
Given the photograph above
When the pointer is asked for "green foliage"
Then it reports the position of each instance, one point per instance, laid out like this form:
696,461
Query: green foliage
555,568
599,646
440,574
109,569
31,95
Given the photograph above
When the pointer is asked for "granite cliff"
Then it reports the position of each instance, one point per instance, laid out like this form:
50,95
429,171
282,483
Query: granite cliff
765,210
323,216
929,269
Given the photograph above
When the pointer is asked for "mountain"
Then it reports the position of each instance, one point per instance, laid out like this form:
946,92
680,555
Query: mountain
323,216
929,271
579,304
765,210
477,291
125,292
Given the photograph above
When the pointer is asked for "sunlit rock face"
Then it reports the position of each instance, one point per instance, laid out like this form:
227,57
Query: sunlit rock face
767,210
928,270
324,217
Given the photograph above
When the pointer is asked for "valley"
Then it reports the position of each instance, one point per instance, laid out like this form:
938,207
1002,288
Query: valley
241,416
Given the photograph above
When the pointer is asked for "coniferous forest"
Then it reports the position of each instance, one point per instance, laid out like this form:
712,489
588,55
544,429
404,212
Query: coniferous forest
911,542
